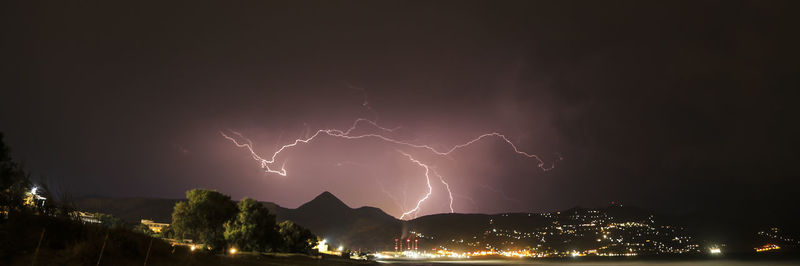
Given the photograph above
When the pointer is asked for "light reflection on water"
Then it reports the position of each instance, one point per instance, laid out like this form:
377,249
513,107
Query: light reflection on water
595,263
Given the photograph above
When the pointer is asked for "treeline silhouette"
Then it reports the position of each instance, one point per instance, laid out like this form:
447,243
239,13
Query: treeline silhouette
38,229
213,220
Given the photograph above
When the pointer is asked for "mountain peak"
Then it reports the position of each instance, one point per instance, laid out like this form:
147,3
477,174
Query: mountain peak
325,200
326,195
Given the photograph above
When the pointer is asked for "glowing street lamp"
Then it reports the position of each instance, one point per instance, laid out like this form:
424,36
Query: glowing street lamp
232,251
715,251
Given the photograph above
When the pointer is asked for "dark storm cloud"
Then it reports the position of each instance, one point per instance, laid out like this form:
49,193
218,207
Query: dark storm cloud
677,105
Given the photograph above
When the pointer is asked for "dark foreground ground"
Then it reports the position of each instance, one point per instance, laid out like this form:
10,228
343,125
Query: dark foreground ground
58,241
609,263
207,259
201,259
734,260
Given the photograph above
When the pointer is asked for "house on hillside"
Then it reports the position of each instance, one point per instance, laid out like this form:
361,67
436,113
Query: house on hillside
155,227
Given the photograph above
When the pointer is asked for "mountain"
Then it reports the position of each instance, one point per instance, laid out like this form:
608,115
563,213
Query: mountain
329,217
325,215
370,228
364,227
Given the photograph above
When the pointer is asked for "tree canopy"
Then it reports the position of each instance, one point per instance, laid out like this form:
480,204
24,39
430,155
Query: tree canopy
14,181
296,238
211,218
202,217
253,228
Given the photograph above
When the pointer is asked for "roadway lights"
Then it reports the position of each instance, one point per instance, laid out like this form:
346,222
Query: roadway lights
232,251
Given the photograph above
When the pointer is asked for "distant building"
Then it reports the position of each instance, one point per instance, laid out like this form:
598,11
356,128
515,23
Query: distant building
33,199
155,227
412,244
86,217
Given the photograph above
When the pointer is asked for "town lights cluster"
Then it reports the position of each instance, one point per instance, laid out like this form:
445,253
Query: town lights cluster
767,247
268,163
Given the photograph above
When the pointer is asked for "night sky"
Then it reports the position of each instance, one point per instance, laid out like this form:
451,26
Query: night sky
673,106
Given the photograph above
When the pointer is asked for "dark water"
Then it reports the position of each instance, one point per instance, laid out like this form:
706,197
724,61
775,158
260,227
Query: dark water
720,262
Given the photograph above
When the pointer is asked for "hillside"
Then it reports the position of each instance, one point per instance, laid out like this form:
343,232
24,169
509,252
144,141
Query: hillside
131,210
370,228
325,215
329,217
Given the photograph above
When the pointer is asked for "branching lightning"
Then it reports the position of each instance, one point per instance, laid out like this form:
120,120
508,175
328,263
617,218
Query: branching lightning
268,164
446,186
427,181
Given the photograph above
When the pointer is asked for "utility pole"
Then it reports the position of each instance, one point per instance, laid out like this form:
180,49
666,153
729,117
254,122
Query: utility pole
102,249
148,251
36,253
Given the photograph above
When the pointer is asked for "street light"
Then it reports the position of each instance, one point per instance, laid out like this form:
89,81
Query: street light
715,250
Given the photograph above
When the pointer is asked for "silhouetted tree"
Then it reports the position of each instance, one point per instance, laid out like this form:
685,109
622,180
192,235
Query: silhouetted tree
14,181
253,228
110,221
142,229
203,216
296,238
166,232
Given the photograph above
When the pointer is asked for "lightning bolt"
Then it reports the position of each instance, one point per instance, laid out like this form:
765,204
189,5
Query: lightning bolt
365,103
503,194
467,198
446,186
390,195
427,181
266,164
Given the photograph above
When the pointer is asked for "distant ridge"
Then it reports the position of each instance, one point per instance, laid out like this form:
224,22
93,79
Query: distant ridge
325,215
131,210
370,228
325,202
329,217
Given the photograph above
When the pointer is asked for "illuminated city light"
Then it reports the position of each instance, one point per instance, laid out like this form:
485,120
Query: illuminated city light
767,247
232,251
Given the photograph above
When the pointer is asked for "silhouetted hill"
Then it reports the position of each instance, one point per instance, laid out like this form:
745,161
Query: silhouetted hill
448,225
329,217
370,228
324,203
131,210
